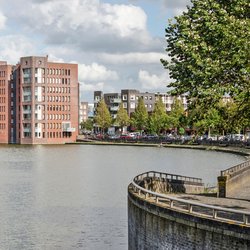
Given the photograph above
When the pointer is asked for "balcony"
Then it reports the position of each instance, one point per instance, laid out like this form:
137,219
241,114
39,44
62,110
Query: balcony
26,75
69,129
26,111
116,100
27,130
114,108
66,127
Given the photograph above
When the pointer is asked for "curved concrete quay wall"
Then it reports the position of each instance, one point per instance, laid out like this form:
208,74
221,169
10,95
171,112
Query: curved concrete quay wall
151,226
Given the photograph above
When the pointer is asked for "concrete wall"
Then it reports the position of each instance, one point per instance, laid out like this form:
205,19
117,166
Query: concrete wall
153,227
232,184
165,186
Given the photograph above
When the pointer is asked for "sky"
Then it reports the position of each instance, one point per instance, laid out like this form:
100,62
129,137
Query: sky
117,44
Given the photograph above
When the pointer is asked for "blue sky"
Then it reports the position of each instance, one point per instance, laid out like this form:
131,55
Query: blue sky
117,44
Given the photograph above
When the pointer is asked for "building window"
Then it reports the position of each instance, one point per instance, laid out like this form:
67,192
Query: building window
124,105
124,97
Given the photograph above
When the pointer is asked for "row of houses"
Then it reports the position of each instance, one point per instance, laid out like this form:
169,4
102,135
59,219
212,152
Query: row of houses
129,99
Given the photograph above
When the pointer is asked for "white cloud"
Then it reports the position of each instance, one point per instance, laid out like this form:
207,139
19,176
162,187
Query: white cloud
91,86
12,47
87,90
125,20
95,72
88,24
2,20
177,6
152,81
133,58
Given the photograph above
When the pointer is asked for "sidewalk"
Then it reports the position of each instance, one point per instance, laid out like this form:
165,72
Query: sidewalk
238,204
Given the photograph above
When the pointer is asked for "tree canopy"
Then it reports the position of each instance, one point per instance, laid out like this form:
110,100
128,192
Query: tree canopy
209,50
122,118
102,117
158,119
139,118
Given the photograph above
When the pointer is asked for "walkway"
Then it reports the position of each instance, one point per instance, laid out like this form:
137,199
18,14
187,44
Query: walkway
238,204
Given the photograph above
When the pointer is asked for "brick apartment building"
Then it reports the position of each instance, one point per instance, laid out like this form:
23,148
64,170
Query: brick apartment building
39,102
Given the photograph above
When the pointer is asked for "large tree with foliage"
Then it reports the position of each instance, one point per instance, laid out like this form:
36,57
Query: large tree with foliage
139,118
158,119
210,122
177,117
122,118
102,116
209,47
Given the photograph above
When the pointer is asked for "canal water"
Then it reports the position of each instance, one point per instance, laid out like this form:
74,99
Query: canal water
75,196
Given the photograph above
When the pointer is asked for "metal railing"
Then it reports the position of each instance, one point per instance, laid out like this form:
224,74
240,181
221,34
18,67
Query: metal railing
197,181
239,217
235,169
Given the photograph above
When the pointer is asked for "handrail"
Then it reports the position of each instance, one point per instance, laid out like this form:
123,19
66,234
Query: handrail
168,176
236,168
190,206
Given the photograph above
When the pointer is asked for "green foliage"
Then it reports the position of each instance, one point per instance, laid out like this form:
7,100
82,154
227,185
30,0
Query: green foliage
102,117
158,119
122,118
88,124
139,118
177,116
210,122
209,47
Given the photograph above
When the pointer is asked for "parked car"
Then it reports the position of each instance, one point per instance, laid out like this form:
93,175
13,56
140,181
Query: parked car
126,136
114,137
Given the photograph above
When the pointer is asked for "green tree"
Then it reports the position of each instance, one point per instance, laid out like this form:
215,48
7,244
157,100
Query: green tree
177,116
102,116
209,47
122,118
210,122
139,118
88,124
230,122
158,119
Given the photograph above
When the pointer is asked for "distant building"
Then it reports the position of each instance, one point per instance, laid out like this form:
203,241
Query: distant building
39,101
168,100
112,101
129,99
83,112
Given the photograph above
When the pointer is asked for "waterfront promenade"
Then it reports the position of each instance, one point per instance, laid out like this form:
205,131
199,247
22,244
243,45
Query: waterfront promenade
169,211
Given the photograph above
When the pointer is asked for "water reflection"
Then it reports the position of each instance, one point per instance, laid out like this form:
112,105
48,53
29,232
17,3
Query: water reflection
75,196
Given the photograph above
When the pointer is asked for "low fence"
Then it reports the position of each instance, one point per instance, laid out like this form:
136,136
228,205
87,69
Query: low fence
232,180
236,169
193,208
169,183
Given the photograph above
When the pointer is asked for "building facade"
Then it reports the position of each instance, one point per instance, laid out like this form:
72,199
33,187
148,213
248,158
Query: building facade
112,101
42,101
129,99
83,112
5,111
